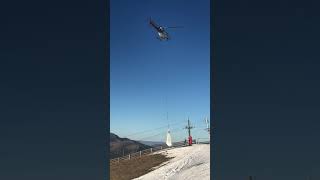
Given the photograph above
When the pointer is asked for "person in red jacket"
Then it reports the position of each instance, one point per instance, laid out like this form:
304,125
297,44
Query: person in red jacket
190,141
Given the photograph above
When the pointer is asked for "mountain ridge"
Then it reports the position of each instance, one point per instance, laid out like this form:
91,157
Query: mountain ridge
123,146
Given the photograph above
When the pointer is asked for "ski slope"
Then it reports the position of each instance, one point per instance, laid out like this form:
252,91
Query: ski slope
188,163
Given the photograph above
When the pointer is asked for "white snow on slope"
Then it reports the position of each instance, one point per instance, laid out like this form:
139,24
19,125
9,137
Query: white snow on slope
189,163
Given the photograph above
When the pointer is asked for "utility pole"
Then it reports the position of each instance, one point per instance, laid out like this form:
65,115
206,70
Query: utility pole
189,127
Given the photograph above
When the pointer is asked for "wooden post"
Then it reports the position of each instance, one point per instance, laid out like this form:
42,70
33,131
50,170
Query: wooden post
140,153
129,156
151,149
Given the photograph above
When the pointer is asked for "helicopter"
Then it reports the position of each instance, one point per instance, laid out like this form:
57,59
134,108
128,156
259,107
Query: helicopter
163,35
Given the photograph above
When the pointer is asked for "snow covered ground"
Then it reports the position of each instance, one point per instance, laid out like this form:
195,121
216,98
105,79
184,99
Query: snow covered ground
188,163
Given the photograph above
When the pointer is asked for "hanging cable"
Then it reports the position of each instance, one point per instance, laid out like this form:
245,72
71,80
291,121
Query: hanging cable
154,129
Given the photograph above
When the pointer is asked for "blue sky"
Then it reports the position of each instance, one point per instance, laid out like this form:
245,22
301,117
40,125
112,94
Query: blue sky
150,78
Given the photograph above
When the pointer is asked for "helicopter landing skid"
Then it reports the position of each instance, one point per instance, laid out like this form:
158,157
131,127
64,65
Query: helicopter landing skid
159,39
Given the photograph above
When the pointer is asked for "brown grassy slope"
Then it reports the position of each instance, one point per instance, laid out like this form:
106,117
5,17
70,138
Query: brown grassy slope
129,169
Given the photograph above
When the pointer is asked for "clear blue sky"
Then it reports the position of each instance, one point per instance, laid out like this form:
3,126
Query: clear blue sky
150,78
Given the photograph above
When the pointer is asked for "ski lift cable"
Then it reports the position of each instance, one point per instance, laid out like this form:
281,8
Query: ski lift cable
173,131
148,130
162,133
144,138
151,130
158,128
162,127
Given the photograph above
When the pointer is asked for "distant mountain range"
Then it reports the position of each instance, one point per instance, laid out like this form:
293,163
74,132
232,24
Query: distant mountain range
123,146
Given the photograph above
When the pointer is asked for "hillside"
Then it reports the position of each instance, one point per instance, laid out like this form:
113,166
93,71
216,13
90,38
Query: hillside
123,146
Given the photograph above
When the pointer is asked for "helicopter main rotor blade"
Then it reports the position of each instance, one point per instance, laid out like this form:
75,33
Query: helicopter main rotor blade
153,23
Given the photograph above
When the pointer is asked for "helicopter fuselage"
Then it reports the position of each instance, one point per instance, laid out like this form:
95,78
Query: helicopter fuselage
163,35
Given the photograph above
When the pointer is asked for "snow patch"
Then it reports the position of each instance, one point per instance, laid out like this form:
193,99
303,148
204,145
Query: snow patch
188,163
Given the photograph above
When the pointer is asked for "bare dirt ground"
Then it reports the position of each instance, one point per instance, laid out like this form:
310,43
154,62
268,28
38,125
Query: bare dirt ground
130,169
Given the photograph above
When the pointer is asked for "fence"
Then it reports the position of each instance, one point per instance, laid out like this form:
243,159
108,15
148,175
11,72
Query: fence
158,148
146,151
203,141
